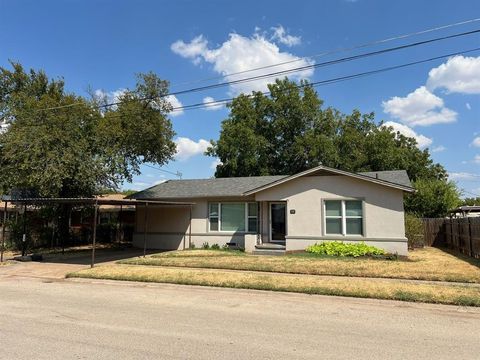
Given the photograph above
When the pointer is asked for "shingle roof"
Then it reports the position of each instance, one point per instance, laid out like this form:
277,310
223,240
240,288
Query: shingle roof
199,188
399,177
237,186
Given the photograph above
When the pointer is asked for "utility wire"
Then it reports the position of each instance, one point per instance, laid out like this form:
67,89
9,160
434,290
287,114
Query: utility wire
178,173
284,72
333,80
322,64
335,51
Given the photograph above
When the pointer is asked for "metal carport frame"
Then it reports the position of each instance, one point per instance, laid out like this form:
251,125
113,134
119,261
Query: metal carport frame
95,202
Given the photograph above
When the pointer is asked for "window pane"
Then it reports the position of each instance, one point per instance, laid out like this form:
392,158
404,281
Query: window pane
214,209
233,217
252,224
353,208
214,224
252,209
333,208
334,226
354,227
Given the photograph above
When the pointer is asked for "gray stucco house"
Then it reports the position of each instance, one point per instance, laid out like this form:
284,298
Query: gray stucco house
282,212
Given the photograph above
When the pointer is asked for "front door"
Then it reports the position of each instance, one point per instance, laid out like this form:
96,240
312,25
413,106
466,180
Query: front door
278,228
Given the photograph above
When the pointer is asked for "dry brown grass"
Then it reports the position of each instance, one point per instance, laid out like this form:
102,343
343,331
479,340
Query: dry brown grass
325,285
422,264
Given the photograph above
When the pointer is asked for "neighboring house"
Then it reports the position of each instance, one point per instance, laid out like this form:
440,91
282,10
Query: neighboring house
466,211
117,216
294,211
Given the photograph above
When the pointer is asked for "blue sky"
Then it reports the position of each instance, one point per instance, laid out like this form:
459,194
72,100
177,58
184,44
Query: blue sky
102,44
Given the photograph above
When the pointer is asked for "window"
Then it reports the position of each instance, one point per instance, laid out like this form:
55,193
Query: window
213,214
232,217
343,217
252,217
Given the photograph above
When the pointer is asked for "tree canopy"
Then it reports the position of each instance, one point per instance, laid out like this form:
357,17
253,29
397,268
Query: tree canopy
290,131
62,144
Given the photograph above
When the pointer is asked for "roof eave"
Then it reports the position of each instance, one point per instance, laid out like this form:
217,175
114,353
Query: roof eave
341,172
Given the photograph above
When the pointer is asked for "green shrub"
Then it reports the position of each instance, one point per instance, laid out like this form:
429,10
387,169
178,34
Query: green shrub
215,247
192,246
338,248
414,231
205,246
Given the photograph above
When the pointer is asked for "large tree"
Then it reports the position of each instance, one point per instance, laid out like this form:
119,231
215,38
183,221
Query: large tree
290,131
61,144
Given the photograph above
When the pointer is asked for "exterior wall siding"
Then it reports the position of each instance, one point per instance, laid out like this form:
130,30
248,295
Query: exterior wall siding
168,228
383,211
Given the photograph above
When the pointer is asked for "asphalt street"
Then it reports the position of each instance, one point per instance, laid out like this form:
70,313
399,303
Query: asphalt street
82,319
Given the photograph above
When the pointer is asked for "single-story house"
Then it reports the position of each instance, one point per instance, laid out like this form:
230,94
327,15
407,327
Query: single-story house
287,212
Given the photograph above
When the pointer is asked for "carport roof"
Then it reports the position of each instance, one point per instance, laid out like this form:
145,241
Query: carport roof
93,201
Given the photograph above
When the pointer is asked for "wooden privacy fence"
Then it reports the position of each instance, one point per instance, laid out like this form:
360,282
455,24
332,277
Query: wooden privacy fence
461,234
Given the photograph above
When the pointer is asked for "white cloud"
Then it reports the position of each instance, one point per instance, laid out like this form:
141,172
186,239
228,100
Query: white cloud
422,141
463,176
468,106
476,142
458,75
192,50
438,149
476,159
109,96
173,100
214,164
420,107
240,53
186,148
282,36
211,107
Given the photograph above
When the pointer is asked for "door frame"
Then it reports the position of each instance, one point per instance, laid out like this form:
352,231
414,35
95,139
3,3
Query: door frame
270,203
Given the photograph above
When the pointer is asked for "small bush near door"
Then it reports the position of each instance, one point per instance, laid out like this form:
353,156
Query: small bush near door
338,248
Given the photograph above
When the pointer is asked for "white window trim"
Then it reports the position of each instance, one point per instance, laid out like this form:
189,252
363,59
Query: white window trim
344,217
219,217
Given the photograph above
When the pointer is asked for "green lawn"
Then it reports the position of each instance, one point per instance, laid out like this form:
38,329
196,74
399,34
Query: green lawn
422,264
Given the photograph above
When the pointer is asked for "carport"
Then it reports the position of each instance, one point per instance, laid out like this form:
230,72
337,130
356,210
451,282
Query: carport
95,203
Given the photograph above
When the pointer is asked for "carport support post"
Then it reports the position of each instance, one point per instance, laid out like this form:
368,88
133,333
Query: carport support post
94,237
190,230
3,231
145,227
24,237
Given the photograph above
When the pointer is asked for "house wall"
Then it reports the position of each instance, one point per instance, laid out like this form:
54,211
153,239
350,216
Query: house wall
168,227
383,211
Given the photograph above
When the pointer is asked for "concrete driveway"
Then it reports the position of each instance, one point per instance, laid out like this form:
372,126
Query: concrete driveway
56,266
83,319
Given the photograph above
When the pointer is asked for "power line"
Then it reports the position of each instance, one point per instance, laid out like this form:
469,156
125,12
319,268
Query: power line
334,51
333,80
284,72
178,173
322,64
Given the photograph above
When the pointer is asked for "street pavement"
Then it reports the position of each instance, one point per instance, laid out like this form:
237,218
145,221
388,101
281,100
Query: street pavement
47,318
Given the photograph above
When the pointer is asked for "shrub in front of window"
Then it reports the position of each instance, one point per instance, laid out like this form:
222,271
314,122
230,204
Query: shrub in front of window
338,248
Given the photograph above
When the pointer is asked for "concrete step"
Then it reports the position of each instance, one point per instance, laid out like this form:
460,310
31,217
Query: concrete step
268,252
271,246
269,249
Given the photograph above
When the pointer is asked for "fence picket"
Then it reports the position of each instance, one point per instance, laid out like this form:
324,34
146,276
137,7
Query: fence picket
461,234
